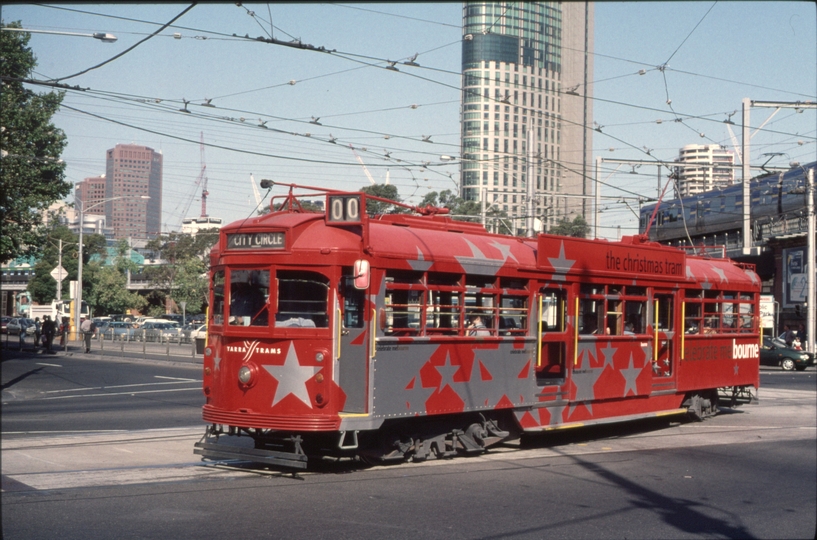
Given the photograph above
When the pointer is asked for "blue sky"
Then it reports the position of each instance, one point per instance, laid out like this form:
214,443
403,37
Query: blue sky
266,96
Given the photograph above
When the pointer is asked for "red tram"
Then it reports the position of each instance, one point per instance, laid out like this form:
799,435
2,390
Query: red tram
413,336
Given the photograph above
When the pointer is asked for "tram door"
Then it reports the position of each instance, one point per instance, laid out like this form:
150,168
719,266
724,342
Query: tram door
352,345
553,338
664,324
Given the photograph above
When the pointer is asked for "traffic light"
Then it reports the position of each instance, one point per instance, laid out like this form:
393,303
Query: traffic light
797,310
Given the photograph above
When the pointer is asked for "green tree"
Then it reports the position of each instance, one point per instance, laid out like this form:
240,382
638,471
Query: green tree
384,191
30,146
178,278
42,286
577,228
109,293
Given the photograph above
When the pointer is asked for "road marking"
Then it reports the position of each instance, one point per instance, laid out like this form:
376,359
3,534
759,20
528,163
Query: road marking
49,365
108,394
177,379
117,386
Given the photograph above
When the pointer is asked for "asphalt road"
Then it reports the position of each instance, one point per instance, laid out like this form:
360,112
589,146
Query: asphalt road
80,460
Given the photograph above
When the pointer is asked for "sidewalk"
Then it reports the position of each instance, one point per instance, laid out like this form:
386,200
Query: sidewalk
171,352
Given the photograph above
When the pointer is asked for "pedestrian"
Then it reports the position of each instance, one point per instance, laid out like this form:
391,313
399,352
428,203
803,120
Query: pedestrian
788,335
36,331
64,326
23,329
49,328
88,329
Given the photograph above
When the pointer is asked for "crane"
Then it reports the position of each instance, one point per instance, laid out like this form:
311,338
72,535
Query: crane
201,177
255,191
202,174
365,170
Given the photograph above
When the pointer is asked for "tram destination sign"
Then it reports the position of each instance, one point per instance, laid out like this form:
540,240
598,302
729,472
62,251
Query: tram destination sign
258,240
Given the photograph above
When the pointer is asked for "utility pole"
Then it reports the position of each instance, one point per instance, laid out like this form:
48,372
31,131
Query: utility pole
531,182
747,176
811,267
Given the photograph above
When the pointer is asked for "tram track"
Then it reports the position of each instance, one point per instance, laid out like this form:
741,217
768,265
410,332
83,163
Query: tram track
74,460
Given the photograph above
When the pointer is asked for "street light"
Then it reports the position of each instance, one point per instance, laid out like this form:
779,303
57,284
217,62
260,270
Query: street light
82,210
102,36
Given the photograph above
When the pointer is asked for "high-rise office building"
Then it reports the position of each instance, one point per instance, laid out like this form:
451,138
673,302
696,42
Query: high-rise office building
705,167
133,172
527,65
90,192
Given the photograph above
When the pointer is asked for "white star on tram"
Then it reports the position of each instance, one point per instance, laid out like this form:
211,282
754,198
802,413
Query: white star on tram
292,377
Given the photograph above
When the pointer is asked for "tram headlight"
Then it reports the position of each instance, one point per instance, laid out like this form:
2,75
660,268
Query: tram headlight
244,375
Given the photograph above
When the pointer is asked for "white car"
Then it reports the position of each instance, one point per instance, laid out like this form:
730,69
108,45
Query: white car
199,332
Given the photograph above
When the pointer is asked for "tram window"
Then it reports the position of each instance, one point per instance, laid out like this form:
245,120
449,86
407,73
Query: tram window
441,279
443,312
553,310
481,282
513,283
513,314
591,316
747,317
249,298
217,310
635,316
590,288
712,312
664,312
403,311
692,316
302,299
404,276
632,290
353,302
481,305
615,318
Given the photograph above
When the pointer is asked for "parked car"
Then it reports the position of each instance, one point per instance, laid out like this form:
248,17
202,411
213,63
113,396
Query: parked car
772,353
193,331
162,332
4,321
14,325
118,331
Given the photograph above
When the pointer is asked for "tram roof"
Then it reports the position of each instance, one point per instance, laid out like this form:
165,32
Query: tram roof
438,243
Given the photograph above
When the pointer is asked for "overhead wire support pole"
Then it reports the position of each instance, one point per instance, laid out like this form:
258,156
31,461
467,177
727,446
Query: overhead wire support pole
746,178
745,156
811,266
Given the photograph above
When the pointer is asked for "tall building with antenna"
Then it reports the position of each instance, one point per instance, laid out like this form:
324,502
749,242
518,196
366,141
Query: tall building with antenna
528,65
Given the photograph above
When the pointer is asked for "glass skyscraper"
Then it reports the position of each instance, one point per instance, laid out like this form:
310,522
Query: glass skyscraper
527,65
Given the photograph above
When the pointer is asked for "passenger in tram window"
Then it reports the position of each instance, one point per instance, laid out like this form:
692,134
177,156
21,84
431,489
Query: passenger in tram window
477,327
708,328
247,305
692,328
628,329
589,325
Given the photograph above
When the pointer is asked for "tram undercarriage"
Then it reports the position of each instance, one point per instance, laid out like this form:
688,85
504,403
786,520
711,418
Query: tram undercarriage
413,439
398,441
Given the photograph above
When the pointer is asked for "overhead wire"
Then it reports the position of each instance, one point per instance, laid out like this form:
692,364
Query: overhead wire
129,49
586,127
